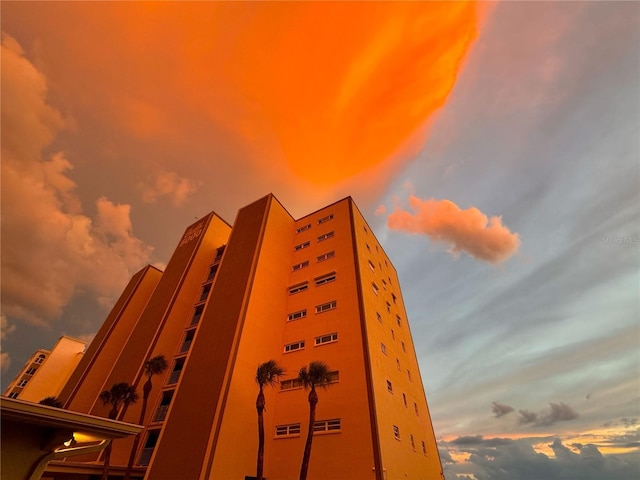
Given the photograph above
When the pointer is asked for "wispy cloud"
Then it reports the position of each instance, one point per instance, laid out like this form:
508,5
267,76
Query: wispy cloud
558,412
6,329
469,231
500,409
170,185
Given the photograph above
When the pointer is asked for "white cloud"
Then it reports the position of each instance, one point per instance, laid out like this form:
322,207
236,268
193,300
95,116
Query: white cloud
168,184
50,248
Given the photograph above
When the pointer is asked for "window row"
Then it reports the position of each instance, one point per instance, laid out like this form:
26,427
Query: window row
323,307
318,281
319,258
396,434
321,340
320,222
319,238
293,383
293,429
404,398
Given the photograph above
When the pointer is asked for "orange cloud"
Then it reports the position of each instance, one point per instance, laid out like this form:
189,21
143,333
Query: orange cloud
303,94
168,184
468,231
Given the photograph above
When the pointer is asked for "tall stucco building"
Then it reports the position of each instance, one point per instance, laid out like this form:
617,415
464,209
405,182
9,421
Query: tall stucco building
231,297
45,373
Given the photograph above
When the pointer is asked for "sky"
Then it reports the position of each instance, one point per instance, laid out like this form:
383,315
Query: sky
492,147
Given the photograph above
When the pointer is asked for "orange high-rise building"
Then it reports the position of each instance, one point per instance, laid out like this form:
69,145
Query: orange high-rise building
269,287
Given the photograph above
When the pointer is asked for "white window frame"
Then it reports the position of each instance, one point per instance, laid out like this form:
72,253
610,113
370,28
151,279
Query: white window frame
333,425
303,228
326,256
294,346
325,219
326,278
375,288
300,265
289,430
325,307
23,383
396,432
301,246
372,267
296,315
389,386
300,287
326,236
324,339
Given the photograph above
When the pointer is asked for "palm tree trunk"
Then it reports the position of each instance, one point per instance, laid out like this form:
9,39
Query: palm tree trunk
146,390
113,413
313,401
260,408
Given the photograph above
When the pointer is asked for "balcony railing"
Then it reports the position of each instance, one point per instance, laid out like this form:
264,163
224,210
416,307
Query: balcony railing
185,346
175,376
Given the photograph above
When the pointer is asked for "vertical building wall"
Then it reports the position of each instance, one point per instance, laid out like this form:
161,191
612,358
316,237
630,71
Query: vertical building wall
89,378
29,369
50,377
406,439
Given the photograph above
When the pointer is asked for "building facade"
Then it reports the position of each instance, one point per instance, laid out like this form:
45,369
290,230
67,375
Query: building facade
46,372
232,297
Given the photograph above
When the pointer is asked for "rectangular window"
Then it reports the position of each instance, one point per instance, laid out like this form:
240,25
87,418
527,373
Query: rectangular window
329,338
393,334
375,288
31,371
325,219
297,315
384,284
23,383
368,247
205,293
326,256
398,364
188,338
300,265
372,267
398,320
163,408
300,287
389,386
13,395
383,347
332,425
292,347
325,236
212,273
415,408
396,432
379,317
403,348
388,307
197,313
409,375
40,358
290,384
219,253
404,400
329,277
424,448
290,430
326,306
413,444
302,229
175,373
301,246
393,297
293,383
149,445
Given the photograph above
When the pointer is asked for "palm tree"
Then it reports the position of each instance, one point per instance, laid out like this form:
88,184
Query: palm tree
316,375
118,393
51,402
153,366
266,374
